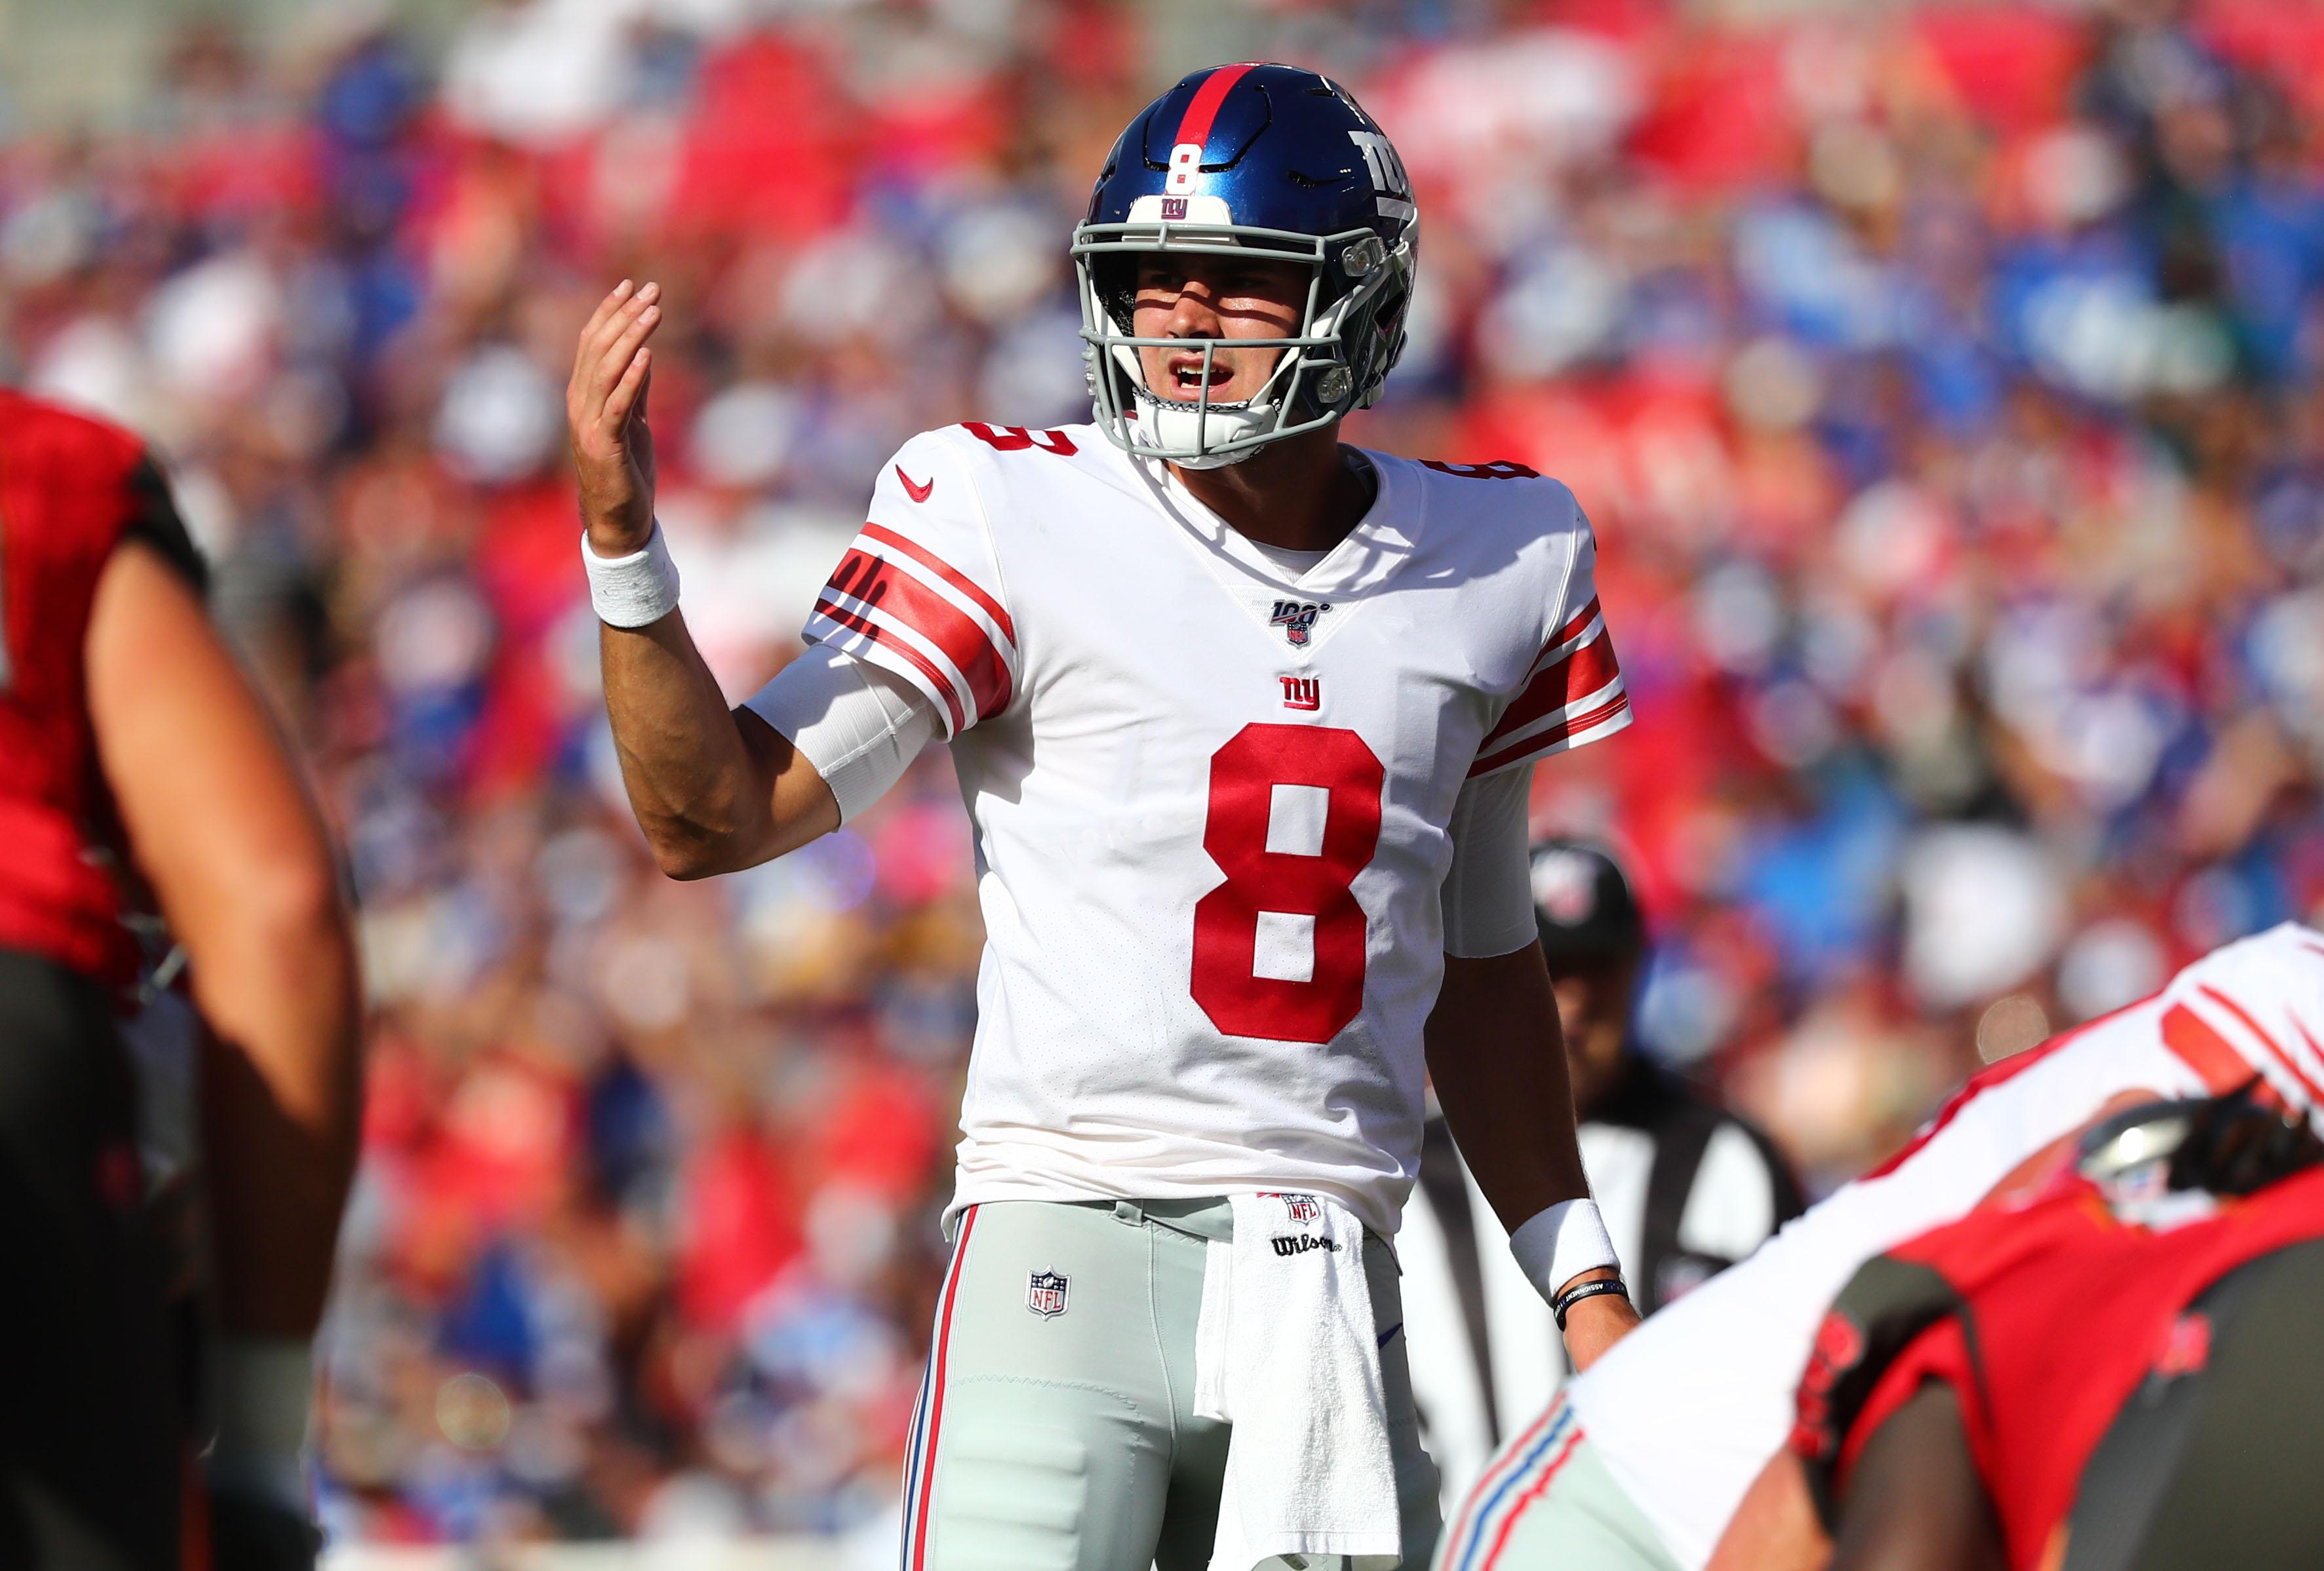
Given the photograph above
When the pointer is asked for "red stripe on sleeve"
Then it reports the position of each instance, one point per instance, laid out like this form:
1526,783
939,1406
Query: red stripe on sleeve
2219,1066
1580,674
2314,1050
1574,628
2315,1092
1586,719
1194,126
870,630
944,570
890,589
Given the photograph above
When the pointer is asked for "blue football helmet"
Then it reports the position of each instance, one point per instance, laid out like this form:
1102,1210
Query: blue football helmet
1264,160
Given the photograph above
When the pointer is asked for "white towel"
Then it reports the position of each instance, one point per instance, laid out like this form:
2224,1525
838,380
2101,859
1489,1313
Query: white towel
1286,1351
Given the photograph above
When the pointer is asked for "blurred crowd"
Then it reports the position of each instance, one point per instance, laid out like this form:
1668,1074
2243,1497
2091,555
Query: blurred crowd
1939,378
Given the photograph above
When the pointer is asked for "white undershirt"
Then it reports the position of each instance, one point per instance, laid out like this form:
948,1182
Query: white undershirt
861,727
1294,564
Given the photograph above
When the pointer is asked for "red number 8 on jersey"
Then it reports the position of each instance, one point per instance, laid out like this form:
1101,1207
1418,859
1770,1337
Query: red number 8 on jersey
1317,885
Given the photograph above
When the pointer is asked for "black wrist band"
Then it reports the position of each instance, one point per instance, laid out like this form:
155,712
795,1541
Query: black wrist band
1588,1290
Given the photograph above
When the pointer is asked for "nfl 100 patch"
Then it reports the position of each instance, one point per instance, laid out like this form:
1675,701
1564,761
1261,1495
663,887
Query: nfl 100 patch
1296,617
1045,1293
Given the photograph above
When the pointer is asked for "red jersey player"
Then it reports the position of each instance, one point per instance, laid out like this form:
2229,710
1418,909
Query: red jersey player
1662,1451
2120,1374
132,744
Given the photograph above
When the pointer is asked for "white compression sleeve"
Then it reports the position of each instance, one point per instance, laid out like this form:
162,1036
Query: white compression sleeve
858,725
1488,894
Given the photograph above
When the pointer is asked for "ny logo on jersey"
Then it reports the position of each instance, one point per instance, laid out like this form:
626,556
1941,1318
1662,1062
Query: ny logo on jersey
1302,692
1296,617
1045,1293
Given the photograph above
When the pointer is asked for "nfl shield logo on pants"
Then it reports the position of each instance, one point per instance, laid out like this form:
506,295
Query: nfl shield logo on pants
1045,1294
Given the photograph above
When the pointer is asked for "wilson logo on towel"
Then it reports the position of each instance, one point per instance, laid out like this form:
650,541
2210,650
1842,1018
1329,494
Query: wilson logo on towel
1301,1243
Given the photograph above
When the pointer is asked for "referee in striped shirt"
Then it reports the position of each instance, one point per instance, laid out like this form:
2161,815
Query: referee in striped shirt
1686,1187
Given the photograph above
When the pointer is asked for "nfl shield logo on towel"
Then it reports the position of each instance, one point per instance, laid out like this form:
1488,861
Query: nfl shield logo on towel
1303,1210
1045,1294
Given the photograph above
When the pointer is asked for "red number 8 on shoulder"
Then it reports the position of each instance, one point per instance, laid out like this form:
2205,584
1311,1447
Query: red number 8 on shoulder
1318,886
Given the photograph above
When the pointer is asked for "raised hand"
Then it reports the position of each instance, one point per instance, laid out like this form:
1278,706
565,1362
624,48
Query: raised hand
605,411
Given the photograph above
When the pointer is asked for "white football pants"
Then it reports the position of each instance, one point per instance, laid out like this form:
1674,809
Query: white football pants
1055,1429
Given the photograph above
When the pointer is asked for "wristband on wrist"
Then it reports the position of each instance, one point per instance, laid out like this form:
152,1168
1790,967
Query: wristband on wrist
633,591
1586,1290
1559,1244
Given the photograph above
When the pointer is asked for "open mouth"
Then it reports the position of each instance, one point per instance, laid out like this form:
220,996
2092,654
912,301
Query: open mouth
1187,379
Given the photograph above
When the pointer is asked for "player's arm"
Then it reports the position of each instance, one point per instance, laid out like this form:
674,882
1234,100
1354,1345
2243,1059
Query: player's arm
713,789
1498,1058
1915,1501
219,821
1776,1528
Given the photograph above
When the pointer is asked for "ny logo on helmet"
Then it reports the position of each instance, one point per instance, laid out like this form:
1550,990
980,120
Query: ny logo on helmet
1296,617
1389,179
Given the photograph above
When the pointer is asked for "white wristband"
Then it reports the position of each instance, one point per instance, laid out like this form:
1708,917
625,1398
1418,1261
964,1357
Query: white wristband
635,590
266,1385
1558,1245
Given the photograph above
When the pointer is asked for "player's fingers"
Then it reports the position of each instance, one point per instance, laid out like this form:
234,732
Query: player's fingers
613,312
615,361
606,308
602,358
624,312
628,393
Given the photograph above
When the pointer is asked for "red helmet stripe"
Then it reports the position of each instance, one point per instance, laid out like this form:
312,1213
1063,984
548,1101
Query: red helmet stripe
1194,126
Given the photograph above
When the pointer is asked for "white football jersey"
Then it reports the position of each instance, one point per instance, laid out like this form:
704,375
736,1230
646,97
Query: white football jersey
1209,795
1687,1408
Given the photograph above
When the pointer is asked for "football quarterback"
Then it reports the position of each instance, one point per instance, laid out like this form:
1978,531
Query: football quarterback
1243,718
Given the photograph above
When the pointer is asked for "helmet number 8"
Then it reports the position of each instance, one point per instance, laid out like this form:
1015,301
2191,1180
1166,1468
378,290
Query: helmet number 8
1263,880
1185,166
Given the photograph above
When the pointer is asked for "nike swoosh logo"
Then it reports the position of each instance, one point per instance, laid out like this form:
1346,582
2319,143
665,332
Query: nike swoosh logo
1391,1331
916,492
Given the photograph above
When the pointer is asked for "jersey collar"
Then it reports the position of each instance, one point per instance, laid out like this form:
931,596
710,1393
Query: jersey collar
1382,541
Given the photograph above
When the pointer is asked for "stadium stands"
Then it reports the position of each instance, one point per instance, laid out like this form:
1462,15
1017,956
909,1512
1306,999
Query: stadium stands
1941,383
